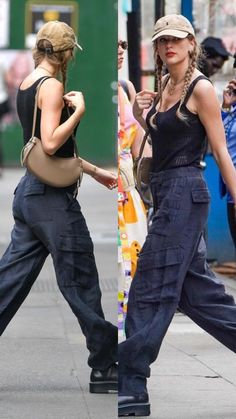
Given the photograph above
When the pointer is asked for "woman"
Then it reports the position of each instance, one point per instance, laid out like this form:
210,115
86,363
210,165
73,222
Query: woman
229,121
131,211
49,220
172,269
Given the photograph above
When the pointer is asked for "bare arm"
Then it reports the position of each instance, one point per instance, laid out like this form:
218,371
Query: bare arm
54,134
208,109
132,91
102,176
140,132
137,144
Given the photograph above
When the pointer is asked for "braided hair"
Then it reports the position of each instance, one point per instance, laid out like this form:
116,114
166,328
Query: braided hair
60,59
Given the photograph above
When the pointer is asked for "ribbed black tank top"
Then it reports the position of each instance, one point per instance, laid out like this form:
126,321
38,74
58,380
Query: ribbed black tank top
25,109
176,143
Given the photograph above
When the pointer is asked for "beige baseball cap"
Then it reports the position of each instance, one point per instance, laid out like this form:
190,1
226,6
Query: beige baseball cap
172,25
59,34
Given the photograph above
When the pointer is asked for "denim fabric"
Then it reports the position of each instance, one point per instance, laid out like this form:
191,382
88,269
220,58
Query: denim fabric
49,220
172,271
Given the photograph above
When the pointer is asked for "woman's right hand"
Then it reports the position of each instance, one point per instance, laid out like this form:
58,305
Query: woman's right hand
76,101
105,177
143,100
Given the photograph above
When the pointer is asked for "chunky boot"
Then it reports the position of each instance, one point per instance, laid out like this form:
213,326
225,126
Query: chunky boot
134,405
104,381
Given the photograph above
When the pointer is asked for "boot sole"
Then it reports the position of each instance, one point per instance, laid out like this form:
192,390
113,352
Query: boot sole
104,387
134,410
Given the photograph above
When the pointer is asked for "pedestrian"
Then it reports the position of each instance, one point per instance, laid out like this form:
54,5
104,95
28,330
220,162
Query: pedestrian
215,55
4,109
229,121
49,220
172,270
132,219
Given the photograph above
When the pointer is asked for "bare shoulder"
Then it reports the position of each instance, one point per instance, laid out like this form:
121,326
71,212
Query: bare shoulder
205,99
51,94
130,84
132,91
52,84
203,89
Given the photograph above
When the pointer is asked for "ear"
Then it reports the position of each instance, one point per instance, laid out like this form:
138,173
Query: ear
190,53
192,44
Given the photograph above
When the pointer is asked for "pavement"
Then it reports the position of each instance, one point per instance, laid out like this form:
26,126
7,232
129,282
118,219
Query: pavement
43,369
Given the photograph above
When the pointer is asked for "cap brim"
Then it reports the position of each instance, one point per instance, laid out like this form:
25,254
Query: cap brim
78,46
170,32
222,52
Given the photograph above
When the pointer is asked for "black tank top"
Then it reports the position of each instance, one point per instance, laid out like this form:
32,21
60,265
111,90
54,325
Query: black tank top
25,109
176,143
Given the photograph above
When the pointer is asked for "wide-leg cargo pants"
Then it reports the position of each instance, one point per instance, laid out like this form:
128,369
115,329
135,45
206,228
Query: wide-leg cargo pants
49,220
172,271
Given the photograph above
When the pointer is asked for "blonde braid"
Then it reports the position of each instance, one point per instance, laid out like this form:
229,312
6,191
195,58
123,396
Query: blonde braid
63,70
159,74
188,75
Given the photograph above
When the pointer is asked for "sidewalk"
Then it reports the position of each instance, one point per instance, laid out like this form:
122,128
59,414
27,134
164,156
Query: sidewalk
194,376
43,357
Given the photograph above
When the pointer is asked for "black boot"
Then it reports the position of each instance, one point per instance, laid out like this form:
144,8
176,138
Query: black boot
134,405
104,381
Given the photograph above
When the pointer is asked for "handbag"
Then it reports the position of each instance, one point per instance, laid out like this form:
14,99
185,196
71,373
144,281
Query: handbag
142,168
51,170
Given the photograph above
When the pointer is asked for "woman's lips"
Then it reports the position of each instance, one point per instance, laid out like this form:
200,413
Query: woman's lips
170,54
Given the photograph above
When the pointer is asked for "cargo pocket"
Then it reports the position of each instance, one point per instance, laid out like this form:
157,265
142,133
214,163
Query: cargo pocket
158,276
76,261
34,188
200,196
37,208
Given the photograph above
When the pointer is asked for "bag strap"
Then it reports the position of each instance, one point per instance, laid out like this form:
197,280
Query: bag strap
147,131
76,152
125,87
35,116
36,105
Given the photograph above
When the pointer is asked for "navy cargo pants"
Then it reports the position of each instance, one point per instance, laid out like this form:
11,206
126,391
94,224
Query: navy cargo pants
49,220
171,272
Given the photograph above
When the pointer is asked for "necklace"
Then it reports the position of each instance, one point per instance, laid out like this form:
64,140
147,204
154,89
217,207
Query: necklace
172,86
45,69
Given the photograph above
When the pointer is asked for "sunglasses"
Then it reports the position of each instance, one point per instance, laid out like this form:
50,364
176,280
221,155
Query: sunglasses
123,44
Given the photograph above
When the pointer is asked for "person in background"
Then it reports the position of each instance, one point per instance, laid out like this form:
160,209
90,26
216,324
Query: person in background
229,121
132,220
215,56
4,108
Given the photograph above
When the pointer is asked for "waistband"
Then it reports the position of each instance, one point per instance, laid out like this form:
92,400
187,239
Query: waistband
176,172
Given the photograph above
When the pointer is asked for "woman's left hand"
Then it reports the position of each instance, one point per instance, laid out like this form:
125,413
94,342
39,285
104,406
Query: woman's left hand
105,177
